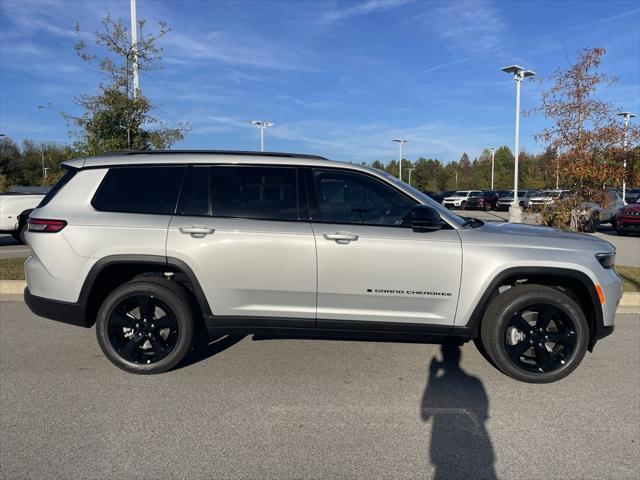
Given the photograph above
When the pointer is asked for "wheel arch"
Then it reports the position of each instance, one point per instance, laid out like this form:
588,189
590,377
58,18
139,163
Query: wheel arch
114,270
577,284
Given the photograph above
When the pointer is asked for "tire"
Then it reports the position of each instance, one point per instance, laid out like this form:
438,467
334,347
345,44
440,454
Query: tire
592,224
614,223
621,233
131,340
16,236
526,359
463,205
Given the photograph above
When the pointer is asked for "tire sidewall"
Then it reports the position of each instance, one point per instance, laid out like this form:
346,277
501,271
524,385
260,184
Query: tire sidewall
558,300
181,310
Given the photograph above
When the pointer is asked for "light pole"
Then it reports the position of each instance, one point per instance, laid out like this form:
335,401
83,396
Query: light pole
44,170
134,47
456,180
493,160
400,142
627,116
558,173
410,170
519,74
262,124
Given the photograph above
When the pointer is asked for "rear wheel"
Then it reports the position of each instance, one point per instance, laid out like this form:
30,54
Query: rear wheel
146,326
621,233
535,333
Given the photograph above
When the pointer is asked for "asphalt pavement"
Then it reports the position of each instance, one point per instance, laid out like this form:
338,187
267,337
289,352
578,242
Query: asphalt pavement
287,408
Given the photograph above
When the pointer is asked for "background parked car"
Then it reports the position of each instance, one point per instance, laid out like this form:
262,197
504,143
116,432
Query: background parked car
594,214
459,198
433,195
546,197
486,200
524,198
632,195
12,204
628,219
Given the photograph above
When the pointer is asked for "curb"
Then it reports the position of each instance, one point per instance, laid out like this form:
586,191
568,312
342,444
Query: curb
12,287
16,287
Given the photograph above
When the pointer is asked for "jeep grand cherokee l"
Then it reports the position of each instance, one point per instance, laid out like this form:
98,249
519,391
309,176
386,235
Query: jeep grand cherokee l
158,249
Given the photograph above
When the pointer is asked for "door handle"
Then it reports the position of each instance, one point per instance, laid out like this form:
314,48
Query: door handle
341,237
197,231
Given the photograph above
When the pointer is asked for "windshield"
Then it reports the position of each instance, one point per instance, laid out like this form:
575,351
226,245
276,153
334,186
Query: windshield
425,199
460,193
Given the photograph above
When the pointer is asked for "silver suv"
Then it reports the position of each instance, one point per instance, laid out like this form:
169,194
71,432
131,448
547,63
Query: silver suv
161,249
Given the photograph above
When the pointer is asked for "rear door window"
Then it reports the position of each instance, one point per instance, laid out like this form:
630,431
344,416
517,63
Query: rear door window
194,195
266,193
152,189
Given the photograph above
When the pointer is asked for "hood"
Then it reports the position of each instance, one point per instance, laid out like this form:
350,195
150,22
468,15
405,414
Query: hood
542,237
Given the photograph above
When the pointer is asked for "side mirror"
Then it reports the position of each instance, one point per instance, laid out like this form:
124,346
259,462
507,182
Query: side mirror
425,219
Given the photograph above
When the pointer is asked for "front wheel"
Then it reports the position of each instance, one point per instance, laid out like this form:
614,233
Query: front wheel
535,333
146,326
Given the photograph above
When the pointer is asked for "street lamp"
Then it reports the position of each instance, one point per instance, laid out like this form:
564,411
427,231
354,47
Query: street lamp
400,142
519,74
44,170
627,116
134,47
410,170
262,124
493,160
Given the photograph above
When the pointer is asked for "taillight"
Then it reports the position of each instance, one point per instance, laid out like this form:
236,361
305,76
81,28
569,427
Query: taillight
45,225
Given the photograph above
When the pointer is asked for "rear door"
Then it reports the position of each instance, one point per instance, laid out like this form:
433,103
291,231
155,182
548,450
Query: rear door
244,231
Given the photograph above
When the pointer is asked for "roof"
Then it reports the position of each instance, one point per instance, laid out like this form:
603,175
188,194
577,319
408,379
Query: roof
197,156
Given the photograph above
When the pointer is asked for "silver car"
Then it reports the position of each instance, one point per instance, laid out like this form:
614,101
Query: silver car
160,249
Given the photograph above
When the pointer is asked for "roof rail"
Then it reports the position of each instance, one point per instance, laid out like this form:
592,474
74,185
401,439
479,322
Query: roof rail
209,152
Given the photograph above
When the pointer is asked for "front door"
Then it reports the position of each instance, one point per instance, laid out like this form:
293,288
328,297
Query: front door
372,266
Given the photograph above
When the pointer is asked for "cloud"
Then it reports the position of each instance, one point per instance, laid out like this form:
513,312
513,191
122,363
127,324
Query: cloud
472,26
223,47
364,8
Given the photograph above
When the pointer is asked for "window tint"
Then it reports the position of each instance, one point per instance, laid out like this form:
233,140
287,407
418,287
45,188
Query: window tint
139,190
194,196
68,175
346,197
268,193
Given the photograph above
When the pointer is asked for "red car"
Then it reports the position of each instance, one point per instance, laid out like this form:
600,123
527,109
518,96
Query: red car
486,200
628,219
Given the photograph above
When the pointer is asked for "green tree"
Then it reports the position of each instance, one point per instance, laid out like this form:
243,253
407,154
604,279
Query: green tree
117,117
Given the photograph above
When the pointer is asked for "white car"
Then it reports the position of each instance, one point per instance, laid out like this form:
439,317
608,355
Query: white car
459,198
594,214
12,205
546,197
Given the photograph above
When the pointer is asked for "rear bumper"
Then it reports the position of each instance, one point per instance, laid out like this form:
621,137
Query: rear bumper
65,312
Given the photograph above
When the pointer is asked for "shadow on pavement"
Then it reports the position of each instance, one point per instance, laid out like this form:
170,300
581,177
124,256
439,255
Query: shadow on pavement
8,240
212,347
457,405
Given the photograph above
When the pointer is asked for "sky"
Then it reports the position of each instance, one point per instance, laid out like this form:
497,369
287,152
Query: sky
340,79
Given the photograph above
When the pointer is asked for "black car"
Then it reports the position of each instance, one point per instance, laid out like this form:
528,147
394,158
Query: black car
433,195
486,200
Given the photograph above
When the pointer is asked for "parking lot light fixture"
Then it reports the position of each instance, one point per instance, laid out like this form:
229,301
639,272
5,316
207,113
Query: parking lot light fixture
400,142
519,74
627,116
262,124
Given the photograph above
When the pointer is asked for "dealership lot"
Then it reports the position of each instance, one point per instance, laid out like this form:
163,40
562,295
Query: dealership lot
276,408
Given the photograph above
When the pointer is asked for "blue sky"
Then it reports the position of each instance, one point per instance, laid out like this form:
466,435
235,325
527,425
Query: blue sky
338,78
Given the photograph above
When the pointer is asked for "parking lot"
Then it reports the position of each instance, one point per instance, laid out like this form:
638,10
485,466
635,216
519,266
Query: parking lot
277,408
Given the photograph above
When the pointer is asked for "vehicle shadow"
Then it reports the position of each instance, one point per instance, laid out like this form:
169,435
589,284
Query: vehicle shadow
457,406
207,349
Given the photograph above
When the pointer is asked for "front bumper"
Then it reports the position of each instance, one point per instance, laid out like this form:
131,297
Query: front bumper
65,312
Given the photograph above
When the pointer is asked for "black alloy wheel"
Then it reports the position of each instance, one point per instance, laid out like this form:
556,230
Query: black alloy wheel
146,326
535,333
540,338
142,329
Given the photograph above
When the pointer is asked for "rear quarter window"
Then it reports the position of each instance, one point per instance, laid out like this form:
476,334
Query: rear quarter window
69,174
152,189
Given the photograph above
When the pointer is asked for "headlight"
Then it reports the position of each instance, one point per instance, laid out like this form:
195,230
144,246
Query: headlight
606,259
